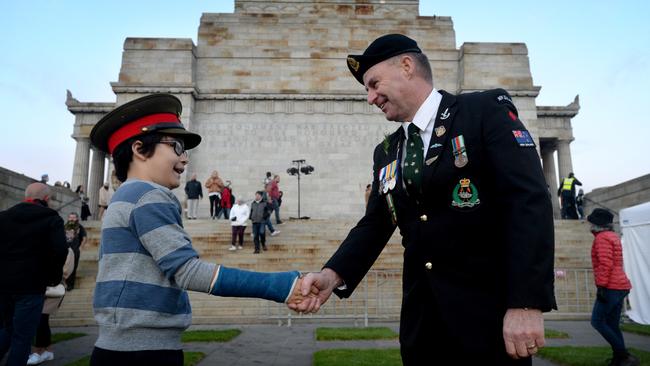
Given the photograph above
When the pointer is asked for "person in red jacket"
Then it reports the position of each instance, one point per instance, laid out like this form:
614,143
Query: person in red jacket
612,283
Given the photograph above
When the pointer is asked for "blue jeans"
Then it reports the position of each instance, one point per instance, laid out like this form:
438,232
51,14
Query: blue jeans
20,317
259,234
267,222
276,208
606,316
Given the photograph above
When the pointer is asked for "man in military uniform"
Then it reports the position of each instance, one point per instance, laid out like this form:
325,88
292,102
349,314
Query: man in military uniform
462,180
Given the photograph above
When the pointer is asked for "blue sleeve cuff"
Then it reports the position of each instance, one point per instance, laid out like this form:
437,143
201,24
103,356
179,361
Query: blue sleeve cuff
275,286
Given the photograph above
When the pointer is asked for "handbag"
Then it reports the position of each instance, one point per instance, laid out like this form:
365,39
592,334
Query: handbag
55,291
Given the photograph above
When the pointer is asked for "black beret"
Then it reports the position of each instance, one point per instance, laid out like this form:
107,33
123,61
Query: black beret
600,217
152,113
379,50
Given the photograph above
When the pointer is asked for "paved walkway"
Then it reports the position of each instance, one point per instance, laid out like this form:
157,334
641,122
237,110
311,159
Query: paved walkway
295,345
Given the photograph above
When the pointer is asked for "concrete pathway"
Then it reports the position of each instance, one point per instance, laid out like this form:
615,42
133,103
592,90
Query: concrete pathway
281,345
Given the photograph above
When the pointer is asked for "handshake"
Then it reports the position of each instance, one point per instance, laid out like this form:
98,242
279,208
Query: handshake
312,291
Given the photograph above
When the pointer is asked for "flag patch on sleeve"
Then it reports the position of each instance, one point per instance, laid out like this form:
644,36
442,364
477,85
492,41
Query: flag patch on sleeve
523,138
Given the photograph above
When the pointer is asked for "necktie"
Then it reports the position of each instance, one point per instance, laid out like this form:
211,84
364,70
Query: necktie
413,161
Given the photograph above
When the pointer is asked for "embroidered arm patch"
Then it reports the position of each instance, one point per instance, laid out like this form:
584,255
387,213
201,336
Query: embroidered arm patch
523,138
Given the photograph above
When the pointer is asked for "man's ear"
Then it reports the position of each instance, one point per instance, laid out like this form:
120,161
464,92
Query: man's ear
135,148
408,66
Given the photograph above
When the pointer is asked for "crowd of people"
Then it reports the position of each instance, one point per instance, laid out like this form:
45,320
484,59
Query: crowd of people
224,204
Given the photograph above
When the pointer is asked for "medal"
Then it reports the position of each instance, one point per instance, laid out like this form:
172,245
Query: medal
440,130
459,151
460,161
387,177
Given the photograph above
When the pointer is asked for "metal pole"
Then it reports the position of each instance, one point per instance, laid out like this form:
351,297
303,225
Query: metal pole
299,192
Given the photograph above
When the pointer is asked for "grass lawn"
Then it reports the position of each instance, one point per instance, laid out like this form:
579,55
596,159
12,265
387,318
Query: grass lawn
189,359
552,333
224,335
349,334
636,328
60,337
358,357
585,356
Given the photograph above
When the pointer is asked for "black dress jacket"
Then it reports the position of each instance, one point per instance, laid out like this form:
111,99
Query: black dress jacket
33,249
479,238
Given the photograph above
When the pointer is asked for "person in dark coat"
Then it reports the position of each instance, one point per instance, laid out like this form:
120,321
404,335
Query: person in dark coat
32,254
463,182
194,193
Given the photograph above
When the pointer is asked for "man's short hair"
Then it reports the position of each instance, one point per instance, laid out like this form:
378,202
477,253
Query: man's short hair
422,65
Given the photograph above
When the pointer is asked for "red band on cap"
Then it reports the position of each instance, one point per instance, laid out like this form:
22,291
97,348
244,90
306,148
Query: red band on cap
135,128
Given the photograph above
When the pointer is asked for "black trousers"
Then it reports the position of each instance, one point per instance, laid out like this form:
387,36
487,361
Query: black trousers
432,342
43,332
104,357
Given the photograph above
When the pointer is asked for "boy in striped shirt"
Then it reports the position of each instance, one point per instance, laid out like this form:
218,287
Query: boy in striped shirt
146,259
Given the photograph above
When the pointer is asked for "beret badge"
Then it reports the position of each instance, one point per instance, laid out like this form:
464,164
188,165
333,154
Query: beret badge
354,64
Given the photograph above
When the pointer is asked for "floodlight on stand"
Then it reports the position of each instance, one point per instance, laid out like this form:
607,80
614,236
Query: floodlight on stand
300,167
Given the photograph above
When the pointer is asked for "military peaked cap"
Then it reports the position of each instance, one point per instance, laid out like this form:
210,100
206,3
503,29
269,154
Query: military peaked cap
152,113
379,50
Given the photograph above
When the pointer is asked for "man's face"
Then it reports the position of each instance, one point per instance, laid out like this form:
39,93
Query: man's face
386,84
165,166
258,196
72,217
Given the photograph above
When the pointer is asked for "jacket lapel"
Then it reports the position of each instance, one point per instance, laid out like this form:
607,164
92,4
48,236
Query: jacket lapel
441,134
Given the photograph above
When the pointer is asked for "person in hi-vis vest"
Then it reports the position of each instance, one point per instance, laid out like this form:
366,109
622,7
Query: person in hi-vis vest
567,193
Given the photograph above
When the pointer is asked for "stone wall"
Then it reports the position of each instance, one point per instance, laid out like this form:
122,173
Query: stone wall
620,196
269,84
12,192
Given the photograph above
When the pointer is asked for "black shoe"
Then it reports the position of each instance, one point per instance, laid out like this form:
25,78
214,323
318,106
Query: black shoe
264,247
628,360
257,251
279,223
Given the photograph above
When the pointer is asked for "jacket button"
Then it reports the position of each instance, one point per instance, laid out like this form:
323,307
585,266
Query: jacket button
428,265
423,218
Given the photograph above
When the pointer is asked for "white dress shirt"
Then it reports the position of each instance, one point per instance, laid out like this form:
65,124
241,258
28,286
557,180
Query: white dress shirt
425,119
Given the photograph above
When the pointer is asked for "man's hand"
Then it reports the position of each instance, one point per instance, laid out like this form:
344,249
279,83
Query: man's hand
297,296
316,288
523,332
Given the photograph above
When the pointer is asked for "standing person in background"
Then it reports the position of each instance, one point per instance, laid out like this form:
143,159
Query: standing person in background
45,178
85,209
580,204
104,199
275,196
567,193
32,253
194,193
260,212
266,197
267,179
612,285
239,216
76,238
214,184
226,200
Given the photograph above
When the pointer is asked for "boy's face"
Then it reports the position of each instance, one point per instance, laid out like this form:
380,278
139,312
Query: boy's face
258,196
165,166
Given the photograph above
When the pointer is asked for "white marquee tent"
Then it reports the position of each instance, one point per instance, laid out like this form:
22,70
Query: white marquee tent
635,226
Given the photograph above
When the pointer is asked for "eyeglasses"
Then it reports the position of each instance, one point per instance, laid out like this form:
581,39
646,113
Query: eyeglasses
179,147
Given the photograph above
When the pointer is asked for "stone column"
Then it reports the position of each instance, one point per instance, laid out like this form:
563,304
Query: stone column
565,165
81,163
96,180
548,164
